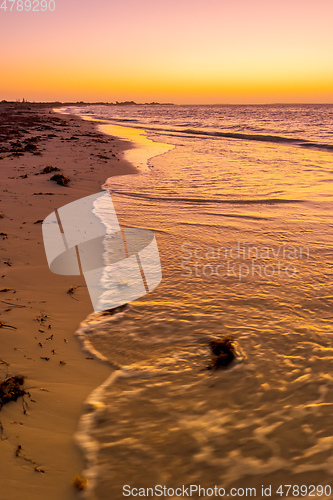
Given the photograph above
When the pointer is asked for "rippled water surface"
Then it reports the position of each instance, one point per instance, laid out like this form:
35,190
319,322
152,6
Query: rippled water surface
244,229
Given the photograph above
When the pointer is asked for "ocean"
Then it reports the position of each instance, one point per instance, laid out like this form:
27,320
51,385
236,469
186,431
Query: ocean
240,201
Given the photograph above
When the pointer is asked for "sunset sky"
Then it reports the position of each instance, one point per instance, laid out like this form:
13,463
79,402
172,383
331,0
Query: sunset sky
182,51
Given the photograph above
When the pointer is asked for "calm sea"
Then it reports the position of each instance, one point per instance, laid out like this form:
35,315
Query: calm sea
241,207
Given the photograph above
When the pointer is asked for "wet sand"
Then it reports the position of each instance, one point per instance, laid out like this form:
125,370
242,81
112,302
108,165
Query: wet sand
38,317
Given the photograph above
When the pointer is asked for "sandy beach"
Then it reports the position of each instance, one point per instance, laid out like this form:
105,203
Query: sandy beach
39,457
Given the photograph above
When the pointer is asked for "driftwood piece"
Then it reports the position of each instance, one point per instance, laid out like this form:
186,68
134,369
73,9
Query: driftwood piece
11,390
4,325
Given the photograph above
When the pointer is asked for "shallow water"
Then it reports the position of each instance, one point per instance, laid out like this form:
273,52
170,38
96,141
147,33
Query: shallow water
244,230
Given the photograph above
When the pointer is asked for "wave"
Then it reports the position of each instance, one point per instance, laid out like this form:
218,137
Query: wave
132,120
240,216
226,201
263,138
194,132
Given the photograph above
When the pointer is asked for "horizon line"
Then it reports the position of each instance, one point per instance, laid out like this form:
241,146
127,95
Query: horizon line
154,103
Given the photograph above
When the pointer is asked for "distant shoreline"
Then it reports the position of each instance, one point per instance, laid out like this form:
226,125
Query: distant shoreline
53,104
49,104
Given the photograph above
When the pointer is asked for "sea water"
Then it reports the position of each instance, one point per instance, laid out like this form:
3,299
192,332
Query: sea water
240,202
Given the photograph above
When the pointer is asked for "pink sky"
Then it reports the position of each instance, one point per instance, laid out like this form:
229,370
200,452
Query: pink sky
180,51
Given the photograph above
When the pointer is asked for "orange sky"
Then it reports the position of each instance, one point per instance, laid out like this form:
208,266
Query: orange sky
184,51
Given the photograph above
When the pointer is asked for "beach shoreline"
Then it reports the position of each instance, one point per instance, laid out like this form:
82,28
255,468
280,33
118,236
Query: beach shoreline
42,346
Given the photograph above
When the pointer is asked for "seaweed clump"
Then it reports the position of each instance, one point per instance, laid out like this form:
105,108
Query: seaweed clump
223,351
80,483
48,169
11,390
60,179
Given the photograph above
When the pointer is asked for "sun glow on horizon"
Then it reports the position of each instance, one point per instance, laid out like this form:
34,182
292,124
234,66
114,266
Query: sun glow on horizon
182,52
